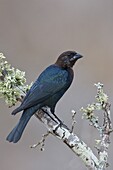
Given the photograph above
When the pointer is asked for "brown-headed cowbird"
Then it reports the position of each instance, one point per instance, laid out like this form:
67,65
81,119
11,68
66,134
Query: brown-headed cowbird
49,87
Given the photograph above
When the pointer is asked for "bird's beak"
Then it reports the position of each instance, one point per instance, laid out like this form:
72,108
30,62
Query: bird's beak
76,57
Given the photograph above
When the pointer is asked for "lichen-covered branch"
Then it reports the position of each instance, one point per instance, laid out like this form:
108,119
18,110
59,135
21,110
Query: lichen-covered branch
13,89
12,82
62,132
105,129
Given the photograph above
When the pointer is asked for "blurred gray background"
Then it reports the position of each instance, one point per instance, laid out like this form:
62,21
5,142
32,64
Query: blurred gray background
32,35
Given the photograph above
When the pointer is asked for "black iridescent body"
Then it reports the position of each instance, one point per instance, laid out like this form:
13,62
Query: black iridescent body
47,90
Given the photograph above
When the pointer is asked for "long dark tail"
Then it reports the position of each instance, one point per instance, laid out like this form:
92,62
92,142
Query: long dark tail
18,109
16,133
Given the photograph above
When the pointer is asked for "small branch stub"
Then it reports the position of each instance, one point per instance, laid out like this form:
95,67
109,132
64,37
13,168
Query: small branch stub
73,121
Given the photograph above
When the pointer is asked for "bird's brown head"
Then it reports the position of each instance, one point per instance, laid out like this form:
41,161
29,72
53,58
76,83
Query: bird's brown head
68,59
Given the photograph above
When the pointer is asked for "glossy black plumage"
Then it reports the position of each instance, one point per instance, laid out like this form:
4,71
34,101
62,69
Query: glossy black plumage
50,86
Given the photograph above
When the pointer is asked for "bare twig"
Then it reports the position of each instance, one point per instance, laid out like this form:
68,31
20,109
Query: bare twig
105,139
73,121
41,142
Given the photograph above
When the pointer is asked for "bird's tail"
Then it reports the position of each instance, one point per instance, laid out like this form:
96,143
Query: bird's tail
18,109
16,133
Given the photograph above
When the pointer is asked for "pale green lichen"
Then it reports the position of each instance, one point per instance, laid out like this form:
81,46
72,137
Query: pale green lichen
12,82
101,100
101,97
91,110
88,111
97,141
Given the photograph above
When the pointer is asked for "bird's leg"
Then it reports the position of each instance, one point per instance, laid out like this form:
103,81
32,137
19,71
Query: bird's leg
61,123
48,115
57,118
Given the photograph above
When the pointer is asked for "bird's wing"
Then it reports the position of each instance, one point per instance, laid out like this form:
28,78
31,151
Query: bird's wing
52,80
